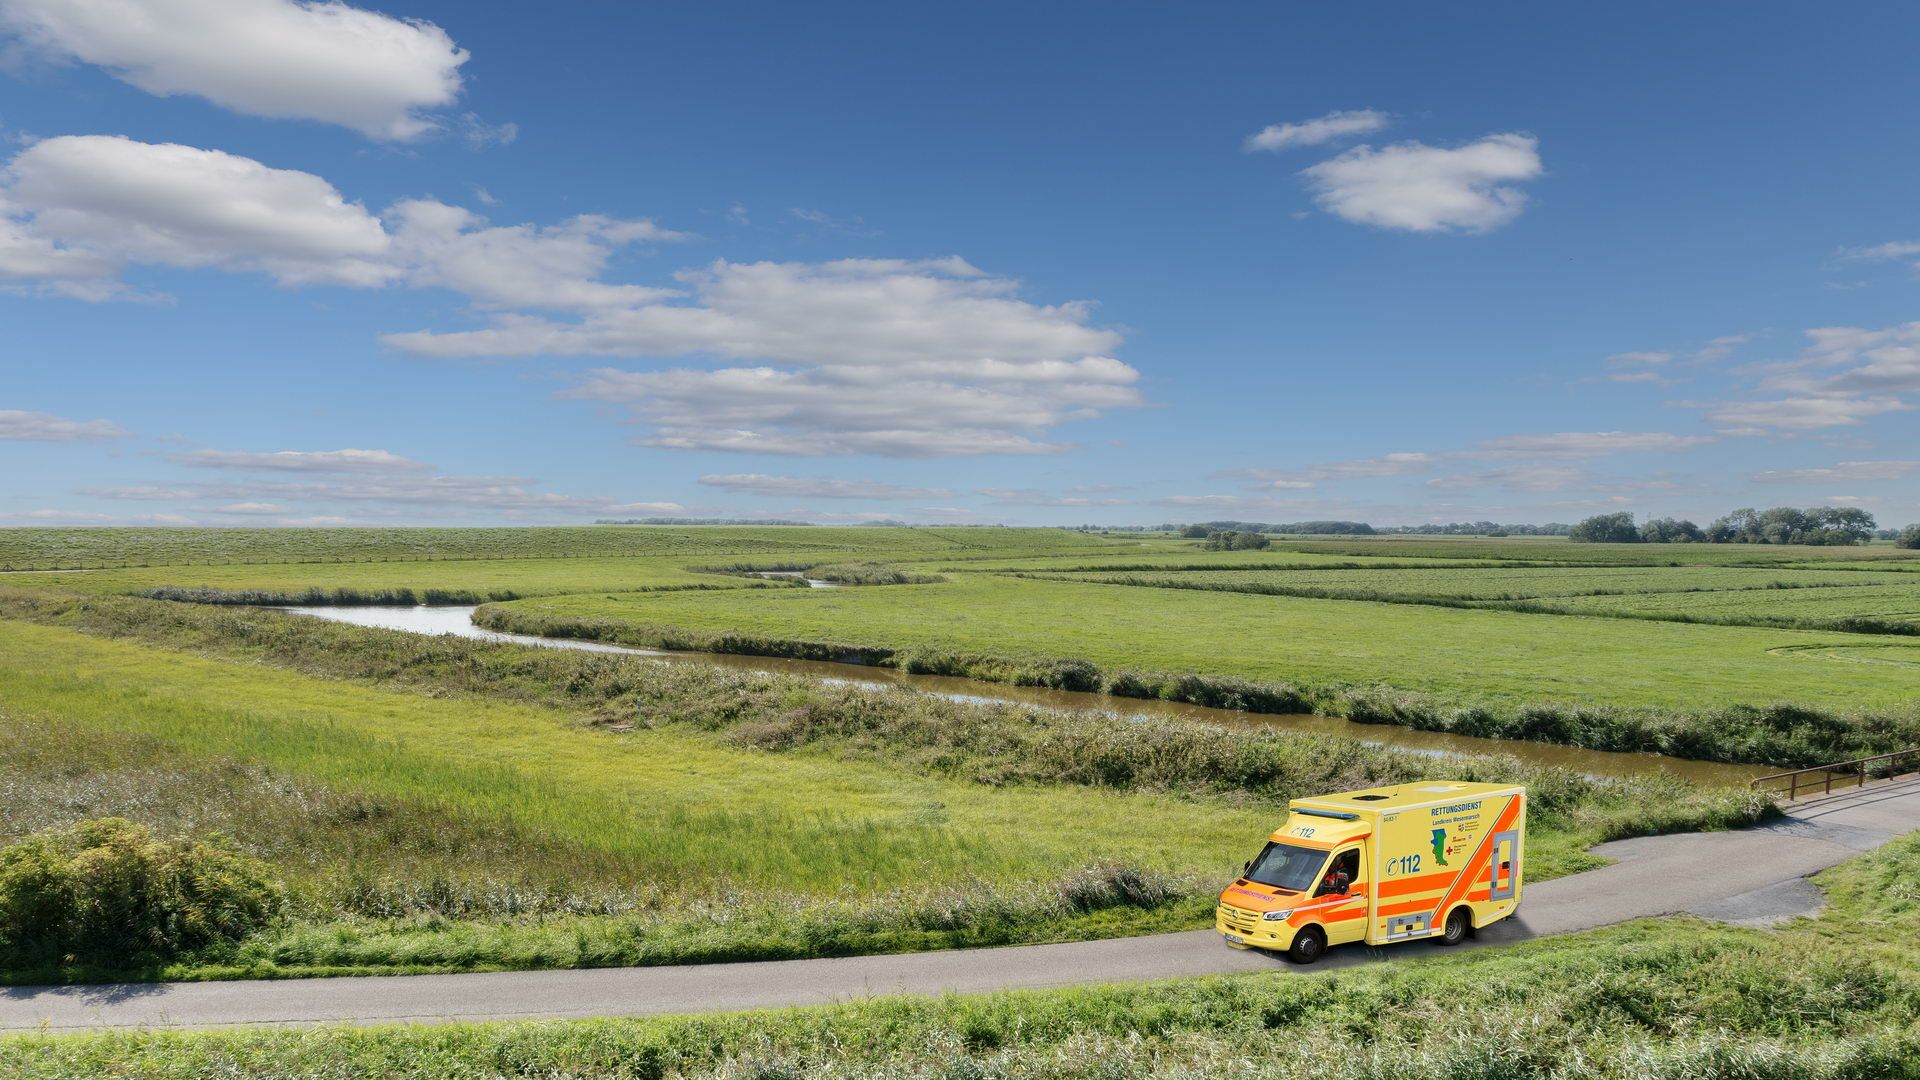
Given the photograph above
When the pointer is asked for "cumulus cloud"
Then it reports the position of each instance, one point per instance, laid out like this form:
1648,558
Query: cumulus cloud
918,358
1334,125
1843,472
103,200
815,487
520,265
287,59
888,357
78,208
1419,188
323,461
17,425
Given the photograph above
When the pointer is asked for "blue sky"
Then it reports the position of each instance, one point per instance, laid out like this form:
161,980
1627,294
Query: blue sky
264,262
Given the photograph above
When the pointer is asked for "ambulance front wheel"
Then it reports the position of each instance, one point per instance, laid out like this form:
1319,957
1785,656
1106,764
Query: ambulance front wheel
1459,925
1308,945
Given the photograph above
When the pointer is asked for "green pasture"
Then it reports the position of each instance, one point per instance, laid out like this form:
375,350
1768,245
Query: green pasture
1465,656
1501,582
656,806
66,548
481,578
1897,603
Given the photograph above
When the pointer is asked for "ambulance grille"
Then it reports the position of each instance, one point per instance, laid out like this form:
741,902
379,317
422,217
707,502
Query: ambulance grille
1245,921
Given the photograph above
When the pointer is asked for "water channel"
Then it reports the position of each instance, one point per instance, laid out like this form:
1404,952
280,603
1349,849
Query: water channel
458,621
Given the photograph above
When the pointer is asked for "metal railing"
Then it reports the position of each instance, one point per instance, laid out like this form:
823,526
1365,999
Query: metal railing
1859,770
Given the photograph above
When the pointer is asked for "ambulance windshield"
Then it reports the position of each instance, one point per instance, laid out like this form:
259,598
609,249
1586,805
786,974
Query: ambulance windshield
1285,866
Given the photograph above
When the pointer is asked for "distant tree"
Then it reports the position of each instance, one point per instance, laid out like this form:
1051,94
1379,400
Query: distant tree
1231,540
1909,537
1825,525
1606,529
1196,532
1671,531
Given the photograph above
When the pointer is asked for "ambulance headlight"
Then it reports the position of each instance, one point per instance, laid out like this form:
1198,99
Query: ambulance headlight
1276,916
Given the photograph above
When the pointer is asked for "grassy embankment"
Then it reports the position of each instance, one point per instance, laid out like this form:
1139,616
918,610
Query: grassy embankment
444,804
1832,998
1708,692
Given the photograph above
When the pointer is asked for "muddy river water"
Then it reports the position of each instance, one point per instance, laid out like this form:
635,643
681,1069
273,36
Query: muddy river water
458,620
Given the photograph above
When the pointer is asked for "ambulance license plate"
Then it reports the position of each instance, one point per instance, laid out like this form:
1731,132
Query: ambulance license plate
1235,938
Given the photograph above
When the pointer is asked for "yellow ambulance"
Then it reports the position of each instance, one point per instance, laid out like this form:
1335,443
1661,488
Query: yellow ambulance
1432,859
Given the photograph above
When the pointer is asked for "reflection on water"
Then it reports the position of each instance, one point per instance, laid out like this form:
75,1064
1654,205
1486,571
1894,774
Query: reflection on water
458,621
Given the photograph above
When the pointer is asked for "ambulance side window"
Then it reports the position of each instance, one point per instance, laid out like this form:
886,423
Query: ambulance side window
1342,872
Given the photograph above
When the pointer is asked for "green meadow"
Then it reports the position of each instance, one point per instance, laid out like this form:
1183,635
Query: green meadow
440,804
447,804
1462,657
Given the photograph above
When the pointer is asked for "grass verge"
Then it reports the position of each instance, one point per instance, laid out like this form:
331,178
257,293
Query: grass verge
1652,1000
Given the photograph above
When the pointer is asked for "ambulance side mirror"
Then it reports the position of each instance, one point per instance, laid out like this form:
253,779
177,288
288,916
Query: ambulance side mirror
1246,868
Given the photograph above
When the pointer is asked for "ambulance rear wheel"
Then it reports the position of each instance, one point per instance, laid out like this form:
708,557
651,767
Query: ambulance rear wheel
1308,945
1459,925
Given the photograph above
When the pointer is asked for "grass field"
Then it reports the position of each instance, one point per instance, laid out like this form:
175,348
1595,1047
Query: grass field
1895,606
1461,657
1501,582
1832,998
22,549
433,581
445,804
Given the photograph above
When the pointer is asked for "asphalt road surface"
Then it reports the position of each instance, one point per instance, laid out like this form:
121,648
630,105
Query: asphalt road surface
1752,877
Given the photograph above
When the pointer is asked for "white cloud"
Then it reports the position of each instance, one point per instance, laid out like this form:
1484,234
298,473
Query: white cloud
78,208
1537,477
20,426
140,492
852,311
248,508
1580,444
1036,497
1395,464
892,357
287,59
323,461
1845,376
1321,129
1629,359
520,265
1843,472
815,487
1798,414
846,410
102,200
1421,188
1897,249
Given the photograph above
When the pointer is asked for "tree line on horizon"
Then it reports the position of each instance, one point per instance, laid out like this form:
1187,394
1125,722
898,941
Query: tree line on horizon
1816,525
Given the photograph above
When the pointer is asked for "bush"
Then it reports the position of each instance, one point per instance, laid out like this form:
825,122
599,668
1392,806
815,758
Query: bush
108,892
1226,540
1909,537
870,573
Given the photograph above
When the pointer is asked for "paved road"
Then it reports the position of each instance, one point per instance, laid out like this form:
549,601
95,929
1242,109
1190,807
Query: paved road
1756,876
